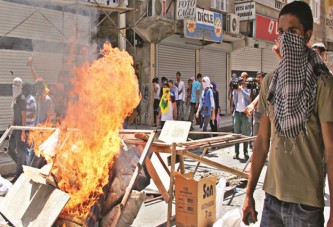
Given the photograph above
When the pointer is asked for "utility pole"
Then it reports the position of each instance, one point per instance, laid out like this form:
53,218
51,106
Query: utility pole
122,26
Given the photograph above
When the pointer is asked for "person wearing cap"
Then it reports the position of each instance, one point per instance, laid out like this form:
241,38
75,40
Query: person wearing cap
19,106
320,49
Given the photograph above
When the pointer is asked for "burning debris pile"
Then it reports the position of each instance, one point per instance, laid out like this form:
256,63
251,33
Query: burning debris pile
103,94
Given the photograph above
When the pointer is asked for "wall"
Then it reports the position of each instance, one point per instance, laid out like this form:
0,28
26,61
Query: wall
143,55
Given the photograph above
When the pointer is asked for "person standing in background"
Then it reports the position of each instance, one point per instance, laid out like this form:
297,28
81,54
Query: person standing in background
44,103
156,94
30,120
241,97
252,110
19,105
206,106
181,97
195,96
168,106
214,123
188,97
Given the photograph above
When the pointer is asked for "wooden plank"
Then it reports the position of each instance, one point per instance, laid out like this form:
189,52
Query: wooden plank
172,179
32,204
201,156
162,162
215,164
211,140
181,164
154,175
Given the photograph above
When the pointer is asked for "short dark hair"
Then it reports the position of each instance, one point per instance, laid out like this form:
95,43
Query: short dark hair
199,75
171,81
155,80
302,11
164,79
178,73
27,89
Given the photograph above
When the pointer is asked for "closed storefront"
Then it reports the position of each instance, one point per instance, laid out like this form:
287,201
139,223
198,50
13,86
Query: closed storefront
171,59
269,60
214,65
246,59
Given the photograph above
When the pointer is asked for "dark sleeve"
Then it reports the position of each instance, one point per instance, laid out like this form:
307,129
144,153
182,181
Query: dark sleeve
22,103
217,102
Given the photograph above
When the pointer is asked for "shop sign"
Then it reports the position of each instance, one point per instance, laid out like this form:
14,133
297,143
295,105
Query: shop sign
266,28
246,10
185,9
206,26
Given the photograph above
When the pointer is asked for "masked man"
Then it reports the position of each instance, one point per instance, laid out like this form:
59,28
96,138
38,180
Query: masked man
296,130
19,105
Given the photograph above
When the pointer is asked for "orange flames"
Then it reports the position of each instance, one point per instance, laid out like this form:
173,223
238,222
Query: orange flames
105,93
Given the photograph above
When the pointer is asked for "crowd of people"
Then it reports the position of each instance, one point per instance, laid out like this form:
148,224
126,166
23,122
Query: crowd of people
197,103
32,106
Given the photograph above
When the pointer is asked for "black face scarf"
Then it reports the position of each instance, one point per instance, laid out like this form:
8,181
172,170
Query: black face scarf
293,87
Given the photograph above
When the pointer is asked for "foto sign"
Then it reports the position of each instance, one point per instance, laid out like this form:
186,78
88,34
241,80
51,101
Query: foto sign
268,28
185,9
206,26
246,10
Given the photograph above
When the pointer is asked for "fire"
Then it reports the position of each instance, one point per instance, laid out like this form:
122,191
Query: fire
105,93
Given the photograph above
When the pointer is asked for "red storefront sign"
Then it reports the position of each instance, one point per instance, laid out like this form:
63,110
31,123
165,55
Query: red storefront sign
266,28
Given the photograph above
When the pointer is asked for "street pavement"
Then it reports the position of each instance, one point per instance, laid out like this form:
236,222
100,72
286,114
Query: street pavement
155,213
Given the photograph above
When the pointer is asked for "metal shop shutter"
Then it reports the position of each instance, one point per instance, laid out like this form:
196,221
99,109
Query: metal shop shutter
214,65
171,59
269,61
246,59
6,111
32,24
47,65
23,21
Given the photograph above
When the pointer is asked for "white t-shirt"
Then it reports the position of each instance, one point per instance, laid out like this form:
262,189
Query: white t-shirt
181,87
157,93
240,107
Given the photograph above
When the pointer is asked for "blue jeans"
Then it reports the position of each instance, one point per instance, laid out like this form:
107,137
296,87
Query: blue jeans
241,125
278,213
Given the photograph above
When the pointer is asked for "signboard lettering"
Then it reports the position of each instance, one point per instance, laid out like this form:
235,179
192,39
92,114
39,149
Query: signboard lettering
185,9
206,26
245,11
268,28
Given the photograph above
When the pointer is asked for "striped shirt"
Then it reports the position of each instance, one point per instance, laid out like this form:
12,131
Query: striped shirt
31,111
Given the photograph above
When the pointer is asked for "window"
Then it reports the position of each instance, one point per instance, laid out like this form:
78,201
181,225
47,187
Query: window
315,6
219,5
224,6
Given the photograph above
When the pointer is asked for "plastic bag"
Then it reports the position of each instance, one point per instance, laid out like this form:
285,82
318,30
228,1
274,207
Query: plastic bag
232,218
220,189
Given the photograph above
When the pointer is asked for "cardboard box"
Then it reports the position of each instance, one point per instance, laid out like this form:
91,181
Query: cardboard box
195,200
